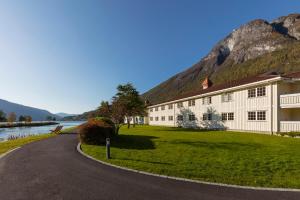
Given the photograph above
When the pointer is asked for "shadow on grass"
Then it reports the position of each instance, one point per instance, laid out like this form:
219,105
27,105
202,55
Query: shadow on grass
233,146
139,142
151,162
194,130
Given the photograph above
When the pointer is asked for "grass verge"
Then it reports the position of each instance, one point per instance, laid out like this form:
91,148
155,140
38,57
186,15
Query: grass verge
11,144
214,156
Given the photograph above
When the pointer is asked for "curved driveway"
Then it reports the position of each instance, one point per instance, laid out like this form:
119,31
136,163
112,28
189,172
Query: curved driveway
53,169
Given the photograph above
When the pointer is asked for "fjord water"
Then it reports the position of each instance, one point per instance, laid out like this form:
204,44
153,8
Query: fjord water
21,131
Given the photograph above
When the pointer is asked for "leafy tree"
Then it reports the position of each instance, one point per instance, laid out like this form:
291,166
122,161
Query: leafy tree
12,117
22,118
118,111
2,116
104,109
28,119
130,99
49,118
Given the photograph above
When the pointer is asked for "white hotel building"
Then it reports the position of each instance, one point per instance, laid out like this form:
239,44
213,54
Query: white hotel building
265,103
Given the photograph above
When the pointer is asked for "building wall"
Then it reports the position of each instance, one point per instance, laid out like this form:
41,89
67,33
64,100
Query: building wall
240,105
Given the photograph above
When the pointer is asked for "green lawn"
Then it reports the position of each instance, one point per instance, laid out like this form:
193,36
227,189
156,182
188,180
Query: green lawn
11,144
215,156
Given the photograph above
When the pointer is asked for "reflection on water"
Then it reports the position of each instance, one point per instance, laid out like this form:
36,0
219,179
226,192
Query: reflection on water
6,132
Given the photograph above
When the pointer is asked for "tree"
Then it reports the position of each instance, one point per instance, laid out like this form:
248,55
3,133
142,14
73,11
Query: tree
114,111
22,118
129,97
104,109
118,111
28,119
12,117
49,118
2,116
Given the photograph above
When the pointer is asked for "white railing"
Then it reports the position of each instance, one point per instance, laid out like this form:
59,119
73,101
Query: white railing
289,126
290,100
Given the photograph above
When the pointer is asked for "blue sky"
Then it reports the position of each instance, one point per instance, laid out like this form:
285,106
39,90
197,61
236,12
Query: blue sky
67,56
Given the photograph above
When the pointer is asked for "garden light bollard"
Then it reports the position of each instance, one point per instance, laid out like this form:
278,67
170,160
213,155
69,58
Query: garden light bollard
107,148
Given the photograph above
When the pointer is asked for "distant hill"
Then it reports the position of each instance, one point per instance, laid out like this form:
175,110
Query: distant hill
62,115
35,113
81,117
254,48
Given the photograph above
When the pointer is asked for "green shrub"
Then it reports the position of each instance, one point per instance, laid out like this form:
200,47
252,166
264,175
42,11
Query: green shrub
105,119
290,134
293,134
95,132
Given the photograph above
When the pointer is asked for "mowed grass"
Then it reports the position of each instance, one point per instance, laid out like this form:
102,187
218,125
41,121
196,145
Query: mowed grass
11,144
214,156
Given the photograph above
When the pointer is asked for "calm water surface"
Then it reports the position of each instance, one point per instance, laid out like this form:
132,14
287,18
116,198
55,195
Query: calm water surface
6,132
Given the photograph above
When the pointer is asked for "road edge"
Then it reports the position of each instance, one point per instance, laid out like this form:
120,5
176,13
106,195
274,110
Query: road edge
185,179
8,152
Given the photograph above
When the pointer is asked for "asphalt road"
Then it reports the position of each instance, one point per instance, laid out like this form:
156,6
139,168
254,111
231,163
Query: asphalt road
53,169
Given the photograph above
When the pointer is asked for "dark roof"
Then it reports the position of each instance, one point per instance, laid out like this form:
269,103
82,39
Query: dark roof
224,86
292,75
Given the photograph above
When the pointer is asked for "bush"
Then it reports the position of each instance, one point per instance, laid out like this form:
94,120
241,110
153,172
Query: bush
95,132
290,134
105,119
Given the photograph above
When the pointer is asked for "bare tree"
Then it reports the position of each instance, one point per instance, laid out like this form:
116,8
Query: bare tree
12,117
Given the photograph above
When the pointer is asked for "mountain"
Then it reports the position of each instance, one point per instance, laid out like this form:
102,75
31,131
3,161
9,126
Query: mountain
81,117
35,113
62,115
254,48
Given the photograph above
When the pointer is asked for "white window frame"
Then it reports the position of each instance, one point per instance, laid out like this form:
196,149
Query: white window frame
192,102
179,117
261,91
227,97
192,117
251,93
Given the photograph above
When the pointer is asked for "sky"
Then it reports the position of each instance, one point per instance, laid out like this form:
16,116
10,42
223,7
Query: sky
68,55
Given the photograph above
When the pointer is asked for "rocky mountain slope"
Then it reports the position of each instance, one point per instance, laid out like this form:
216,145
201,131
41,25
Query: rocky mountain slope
256,47
35,113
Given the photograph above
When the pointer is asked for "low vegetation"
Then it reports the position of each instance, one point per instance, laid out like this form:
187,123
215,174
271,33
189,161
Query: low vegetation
215,156
95,131
14,143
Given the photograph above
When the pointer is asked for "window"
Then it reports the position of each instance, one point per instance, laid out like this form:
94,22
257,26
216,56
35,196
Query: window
170,106
192,118
163,118
261,115
156,109
179,104
226,97
170,118
151,118
206,100
156,118
207,116
151,109
180,118
162,108
252,115
224,116
230,116
252,93
191,102
261,91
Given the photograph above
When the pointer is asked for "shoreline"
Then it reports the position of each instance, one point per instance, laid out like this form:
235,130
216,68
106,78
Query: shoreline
23,124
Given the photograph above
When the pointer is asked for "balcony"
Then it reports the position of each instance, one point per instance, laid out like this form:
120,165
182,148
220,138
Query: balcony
290,126
290,100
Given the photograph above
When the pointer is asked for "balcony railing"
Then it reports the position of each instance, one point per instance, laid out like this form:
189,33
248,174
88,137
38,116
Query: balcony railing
290,126
290,100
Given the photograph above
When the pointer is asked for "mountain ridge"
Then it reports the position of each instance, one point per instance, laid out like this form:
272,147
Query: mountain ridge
19,109
250,43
